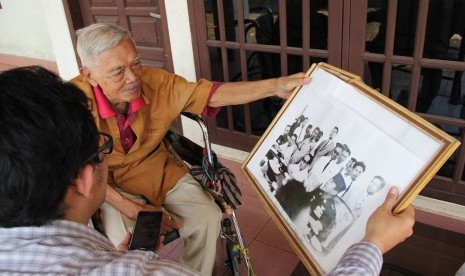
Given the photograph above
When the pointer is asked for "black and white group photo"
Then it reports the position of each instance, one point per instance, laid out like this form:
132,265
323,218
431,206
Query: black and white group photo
328,161
310,173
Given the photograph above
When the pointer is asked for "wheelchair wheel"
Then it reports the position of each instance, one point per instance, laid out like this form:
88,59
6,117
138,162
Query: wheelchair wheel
234,260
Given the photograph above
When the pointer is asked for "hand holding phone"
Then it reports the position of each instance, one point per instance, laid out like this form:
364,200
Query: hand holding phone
146,232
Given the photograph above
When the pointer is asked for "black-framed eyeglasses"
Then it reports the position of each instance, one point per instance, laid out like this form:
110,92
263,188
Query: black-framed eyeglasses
105,147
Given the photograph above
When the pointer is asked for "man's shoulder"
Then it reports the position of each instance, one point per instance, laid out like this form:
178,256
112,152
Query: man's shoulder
153,73
82,84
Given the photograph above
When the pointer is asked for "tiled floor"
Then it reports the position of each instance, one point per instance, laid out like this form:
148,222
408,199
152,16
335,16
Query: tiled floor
270,254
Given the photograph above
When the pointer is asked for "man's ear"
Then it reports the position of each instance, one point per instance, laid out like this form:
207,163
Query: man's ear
88,75
84,180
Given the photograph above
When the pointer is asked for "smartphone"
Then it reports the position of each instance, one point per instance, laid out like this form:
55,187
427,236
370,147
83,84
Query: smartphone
146,232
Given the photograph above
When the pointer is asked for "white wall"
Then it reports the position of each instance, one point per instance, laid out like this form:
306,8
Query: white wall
24,31
37,29
180,38
60,37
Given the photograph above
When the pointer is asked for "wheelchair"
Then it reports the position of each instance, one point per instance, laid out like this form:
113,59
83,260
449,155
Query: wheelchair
217,181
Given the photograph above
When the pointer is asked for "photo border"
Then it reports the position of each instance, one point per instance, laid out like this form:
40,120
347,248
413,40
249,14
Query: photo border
449,145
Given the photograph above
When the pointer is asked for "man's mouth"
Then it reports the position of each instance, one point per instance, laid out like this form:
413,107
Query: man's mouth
132,89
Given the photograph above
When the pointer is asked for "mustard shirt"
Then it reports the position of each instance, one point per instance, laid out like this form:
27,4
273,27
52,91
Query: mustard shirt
149,169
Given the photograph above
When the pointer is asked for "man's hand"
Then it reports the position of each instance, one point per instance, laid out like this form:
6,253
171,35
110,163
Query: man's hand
285,85
385,229
124,244
131,209
168,224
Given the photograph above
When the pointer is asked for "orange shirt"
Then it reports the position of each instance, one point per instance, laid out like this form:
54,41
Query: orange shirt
148,169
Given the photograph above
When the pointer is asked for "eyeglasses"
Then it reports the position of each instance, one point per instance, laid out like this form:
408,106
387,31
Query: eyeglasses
118,75
105,147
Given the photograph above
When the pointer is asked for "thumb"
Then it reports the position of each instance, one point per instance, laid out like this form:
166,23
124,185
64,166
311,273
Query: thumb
391,197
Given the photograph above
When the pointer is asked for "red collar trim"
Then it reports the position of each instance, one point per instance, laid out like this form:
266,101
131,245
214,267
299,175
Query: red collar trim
104,107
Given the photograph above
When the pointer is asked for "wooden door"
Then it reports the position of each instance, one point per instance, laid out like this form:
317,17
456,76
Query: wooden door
146,19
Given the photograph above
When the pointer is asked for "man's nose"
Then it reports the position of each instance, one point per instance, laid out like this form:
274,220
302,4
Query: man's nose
131,76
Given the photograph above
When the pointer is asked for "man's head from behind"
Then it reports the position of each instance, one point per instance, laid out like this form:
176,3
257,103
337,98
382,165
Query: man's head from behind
48,135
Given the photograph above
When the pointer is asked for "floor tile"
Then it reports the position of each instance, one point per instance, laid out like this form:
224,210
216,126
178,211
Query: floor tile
252,217
270,261
272,236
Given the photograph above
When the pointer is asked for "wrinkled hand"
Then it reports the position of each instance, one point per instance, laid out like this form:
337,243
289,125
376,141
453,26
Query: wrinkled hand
385,229
285,85
168,224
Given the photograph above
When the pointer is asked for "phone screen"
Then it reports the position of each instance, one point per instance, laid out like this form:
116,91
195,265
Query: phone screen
146,231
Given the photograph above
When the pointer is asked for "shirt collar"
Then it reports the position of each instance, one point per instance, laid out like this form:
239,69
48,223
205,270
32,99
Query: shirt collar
104,107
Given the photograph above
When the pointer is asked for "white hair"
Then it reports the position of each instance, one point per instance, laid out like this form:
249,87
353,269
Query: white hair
97,38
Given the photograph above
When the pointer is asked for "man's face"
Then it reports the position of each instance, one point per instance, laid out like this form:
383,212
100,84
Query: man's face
356,172
374,186
335,153
118,73
342,157
315,133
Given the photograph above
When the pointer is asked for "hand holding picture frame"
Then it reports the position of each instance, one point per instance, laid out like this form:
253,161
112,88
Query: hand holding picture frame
330,156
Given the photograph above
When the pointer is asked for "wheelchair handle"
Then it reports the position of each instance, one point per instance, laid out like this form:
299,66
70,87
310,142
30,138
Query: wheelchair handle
204,129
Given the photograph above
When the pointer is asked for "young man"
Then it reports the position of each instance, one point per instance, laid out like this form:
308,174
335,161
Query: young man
137,105
53,177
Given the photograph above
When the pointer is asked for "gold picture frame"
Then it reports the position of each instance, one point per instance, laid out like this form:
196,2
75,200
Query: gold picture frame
304,173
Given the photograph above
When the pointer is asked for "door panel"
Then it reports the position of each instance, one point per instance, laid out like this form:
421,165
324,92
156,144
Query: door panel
146,19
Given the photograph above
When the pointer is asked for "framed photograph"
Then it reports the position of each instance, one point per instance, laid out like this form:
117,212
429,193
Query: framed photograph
329,158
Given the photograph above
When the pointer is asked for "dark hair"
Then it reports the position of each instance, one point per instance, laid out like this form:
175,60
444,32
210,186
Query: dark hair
47,135
345,148
359,164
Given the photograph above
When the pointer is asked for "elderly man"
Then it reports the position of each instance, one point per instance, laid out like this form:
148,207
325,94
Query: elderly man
137,105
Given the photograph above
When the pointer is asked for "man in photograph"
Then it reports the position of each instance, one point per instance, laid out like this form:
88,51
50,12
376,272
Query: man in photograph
292,195
322,212
284,137
357,195
300,131
326,167
274,169
357,169
326,146
305,147
288,148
